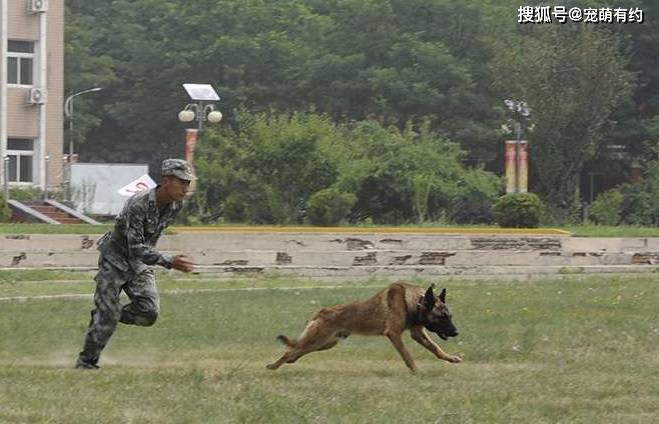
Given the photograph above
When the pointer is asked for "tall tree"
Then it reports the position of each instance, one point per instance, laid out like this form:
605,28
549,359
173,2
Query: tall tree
572,77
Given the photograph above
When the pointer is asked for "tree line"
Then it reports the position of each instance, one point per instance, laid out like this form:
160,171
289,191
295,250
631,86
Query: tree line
365,96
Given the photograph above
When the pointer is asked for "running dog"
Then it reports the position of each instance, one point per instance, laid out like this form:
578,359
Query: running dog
390,312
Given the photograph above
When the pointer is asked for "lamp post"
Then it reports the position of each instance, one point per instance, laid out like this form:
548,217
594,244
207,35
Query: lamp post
520,113
202,110
68,111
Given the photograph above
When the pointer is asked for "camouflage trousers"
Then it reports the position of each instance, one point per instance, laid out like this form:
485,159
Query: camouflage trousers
108,311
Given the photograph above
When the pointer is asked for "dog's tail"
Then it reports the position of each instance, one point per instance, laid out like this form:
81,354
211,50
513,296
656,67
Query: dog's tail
285,340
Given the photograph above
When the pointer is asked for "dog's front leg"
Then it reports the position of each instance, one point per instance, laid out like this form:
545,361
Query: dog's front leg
397,341
420,336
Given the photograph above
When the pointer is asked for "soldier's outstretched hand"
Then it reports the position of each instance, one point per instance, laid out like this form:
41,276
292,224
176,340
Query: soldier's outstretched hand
182,263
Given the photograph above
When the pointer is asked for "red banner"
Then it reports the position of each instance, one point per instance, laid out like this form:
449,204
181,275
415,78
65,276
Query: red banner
523,167
510,166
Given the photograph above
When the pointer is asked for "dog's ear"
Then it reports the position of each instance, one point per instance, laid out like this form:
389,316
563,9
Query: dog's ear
430,297
442,296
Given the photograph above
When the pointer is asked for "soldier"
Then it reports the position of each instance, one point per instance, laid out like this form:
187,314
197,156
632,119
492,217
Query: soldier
125,255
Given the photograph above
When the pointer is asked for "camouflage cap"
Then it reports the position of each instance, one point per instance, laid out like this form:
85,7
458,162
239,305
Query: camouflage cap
178,168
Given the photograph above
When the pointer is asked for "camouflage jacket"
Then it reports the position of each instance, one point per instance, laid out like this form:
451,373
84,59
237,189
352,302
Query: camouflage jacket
130,246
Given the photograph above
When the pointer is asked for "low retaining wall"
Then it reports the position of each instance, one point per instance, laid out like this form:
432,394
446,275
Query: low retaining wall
359,255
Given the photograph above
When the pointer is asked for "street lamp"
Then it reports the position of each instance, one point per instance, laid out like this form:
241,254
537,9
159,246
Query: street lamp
201,113
202,110
68,111
520,113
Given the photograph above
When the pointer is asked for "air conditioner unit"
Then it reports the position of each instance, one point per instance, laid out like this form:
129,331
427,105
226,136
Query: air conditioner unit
37,6
36,96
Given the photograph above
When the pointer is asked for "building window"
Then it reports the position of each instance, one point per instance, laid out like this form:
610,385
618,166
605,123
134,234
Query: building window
21,160
20,62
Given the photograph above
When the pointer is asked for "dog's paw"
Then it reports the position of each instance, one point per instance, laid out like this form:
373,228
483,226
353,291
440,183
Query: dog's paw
454,359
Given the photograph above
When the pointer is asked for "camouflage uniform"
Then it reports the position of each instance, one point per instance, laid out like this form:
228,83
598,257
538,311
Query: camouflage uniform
125,255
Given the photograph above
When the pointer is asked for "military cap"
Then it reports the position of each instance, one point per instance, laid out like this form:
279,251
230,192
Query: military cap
178,168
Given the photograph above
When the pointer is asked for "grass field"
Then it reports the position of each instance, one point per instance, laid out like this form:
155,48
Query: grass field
430,228
550,351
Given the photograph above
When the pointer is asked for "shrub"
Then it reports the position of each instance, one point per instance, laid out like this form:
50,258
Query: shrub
630,204
5,212
518,210
328,207
607,208
471,209
25,194
473,201
235,207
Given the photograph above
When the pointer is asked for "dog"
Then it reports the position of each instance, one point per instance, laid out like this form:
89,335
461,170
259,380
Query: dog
390,312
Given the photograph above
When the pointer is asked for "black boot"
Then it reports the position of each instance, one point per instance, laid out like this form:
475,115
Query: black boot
82,365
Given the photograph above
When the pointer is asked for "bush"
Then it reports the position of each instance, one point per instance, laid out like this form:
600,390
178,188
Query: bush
5,212
235,208
471,210
607,208
473,201
26,194
328,207
630,204
518,210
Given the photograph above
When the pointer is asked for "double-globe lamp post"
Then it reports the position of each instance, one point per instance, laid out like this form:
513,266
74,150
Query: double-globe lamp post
202,110
520,113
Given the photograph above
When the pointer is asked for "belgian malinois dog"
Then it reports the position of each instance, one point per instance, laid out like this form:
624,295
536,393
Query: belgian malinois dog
391,311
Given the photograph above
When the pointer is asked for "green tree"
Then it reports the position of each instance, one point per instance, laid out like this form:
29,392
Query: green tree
572,77
268,166
401,176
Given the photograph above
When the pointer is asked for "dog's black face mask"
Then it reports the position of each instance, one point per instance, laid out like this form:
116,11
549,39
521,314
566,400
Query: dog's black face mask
437,317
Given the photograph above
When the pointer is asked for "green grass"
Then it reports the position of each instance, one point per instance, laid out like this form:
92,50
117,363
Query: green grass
54,229
581,350
577,231
612,231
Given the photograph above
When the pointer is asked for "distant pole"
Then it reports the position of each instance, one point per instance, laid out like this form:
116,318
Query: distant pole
190,142
6,169
68,111
45,185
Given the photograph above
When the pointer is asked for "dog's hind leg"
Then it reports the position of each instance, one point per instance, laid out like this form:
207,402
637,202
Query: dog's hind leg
420,336
287,341
285,358
316,336
296,353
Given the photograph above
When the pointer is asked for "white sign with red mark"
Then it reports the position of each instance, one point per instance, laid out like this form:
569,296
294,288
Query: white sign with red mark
143,183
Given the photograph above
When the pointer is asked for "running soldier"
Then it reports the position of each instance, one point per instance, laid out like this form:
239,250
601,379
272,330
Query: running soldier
125,255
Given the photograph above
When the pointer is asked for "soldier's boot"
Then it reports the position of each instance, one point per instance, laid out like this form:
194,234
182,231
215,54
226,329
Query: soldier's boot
88,358
82,365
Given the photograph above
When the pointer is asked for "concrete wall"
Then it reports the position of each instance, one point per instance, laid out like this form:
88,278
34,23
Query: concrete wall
358,254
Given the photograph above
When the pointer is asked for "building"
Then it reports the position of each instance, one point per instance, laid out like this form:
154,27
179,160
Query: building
31,92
